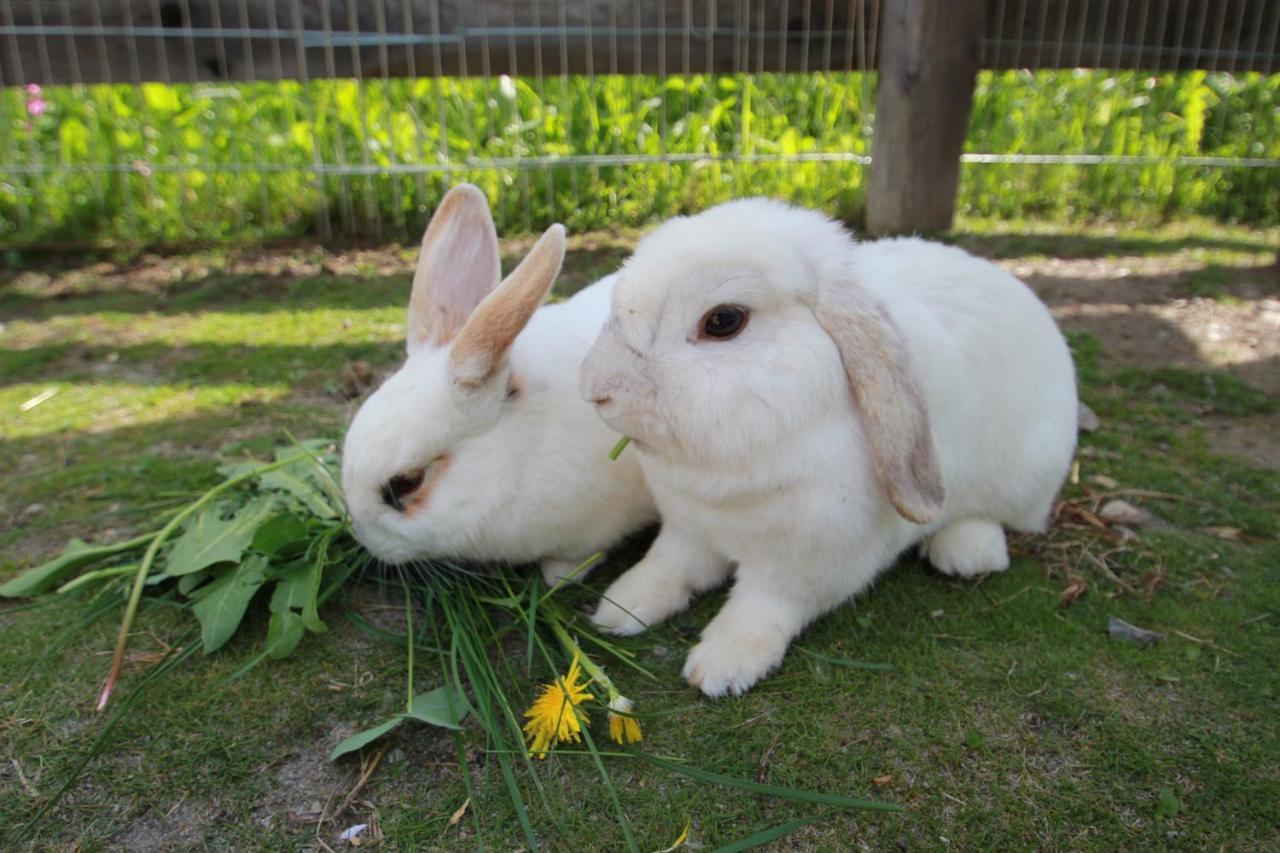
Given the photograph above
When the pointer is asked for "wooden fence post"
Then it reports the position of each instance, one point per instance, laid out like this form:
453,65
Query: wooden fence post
928,61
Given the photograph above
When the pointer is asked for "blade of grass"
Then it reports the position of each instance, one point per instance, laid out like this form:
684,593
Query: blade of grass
569,578
381,634
764,836
847,662
769,790
479,679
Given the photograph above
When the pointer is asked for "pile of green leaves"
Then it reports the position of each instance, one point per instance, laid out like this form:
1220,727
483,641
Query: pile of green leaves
279,526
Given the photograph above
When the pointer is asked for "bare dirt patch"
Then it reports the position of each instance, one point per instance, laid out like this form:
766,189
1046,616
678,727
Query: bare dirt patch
183,827
304,783
1255,438
1151,311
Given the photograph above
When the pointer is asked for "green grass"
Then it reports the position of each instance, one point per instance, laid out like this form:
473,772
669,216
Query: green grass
232,163
1006,721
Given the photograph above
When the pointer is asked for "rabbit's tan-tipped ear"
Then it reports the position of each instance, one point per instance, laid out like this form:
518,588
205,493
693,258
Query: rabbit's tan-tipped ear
481,347
458,266
888,399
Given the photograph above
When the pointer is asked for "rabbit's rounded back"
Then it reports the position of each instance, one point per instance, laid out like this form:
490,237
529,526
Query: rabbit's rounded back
993,366
479,446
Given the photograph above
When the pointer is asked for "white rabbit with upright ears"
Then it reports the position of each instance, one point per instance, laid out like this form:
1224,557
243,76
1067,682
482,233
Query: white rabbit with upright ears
805,408
479,447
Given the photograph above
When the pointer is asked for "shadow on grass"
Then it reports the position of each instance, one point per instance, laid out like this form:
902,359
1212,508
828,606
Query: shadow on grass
156,363
251,283
1067,245
98,483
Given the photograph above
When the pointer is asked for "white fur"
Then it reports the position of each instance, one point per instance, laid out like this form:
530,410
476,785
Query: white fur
754,451
528,479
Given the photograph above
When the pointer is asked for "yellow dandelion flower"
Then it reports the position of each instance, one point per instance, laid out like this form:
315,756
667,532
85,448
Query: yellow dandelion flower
623,729
554,717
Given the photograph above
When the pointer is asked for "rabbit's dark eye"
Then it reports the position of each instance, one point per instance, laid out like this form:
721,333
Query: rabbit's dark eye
723,322
401,485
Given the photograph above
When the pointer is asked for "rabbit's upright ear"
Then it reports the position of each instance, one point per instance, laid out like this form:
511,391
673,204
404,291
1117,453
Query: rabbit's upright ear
457,267
888,399
482,346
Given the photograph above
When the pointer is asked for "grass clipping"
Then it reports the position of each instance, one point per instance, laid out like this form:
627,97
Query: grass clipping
278,532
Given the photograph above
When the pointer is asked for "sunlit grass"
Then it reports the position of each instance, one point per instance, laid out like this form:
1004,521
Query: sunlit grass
94,406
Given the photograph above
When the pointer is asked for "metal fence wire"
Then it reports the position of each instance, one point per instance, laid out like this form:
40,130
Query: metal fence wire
171,121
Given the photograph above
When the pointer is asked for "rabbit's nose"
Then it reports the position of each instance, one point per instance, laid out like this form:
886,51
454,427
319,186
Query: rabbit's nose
598,389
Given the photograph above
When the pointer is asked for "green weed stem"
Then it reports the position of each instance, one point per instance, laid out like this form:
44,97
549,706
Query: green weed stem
144,567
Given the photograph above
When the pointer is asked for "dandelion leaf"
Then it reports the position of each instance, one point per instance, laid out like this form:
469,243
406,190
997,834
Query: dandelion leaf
284,632
39,579
444,707
358,740
280,534
220,610
298,591
188,584
211,539
299,481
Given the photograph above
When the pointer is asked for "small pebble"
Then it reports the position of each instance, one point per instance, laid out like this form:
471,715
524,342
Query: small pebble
1123,512
1086,419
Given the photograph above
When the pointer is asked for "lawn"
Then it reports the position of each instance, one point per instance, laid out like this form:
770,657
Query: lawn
1009,717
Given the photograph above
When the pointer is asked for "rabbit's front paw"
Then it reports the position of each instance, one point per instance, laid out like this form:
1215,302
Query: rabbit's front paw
731,658
640,598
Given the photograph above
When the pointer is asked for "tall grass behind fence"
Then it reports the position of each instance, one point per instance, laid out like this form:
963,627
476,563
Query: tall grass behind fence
242,162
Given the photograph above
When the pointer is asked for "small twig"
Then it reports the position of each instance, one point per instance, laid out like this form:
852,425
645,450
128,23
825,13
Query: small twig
42,397
955,799
1106,570
173,808
26,783
749,721
365,772
1008,679
1257,618
321,822
1201,642
762,769
1146,493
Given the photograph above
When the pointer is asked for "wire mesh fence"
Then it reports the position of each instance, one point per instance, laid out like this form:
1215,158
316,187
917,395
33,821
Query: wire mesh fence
168,122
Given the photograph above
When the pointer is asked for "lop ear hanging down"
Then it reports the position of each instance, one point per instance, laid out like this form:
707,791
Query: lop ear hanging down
458,266
481,347
888,399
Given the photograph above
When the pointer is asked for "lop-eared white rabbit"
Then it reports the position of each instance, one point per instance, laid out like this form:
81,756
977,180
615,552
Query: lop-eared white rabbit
805,408
480,447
